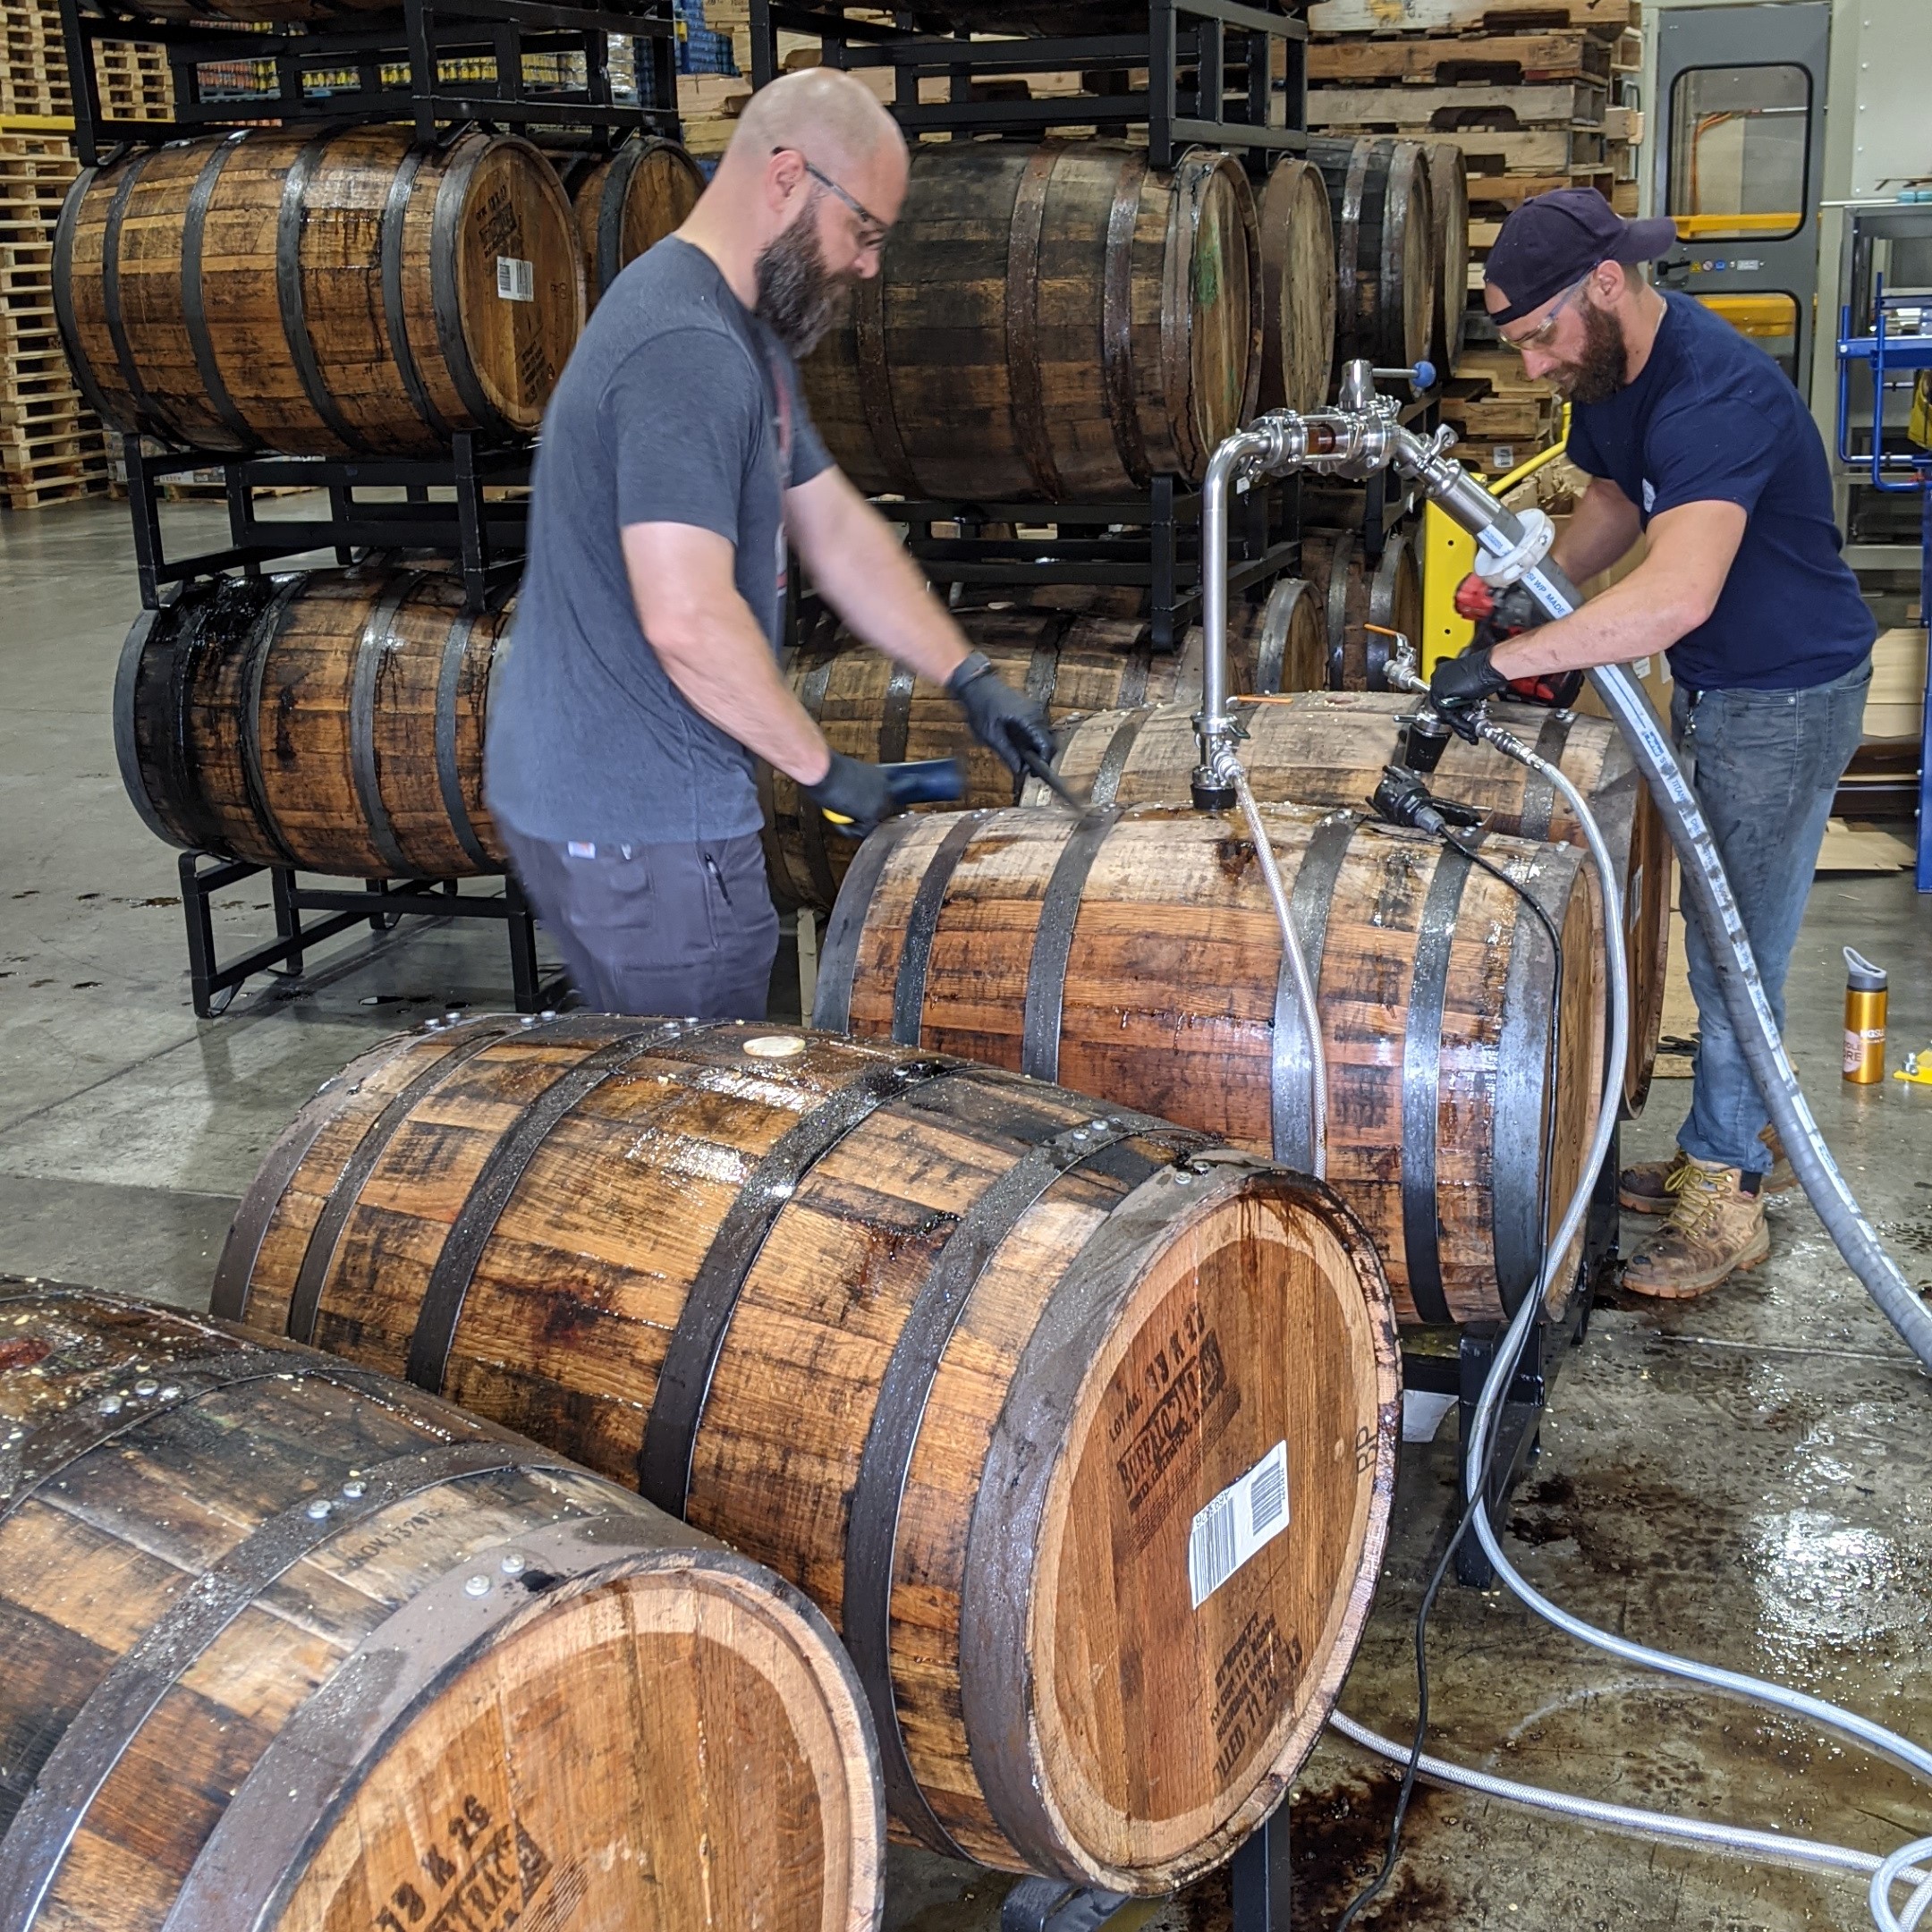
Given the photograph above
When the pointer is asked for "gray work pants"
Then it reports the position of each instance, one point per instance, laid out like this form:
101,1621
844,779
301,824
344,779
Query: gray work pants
1765,764
681,931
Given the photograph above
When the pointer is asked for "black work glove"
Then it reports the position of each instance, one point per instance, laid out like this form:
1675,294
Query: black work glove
854,795
1004,720
1459,685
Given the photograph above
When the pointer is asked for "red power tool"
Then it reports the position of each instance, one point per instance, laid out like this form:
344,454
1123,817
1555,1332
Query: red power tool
1508,613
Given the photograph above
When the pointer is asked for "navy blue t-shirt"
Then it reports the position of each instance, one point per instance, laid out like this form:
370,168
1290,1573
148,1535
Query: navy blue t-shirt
1712,419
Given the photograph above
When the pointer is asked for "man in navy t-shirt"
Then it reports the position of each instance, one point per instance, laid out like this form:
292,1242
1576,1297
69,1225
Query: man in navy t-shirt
1696,440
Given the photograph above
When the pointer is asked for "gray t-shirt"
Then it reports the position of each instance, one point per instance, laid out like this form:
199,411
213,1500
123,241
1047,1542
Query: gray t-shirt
678,405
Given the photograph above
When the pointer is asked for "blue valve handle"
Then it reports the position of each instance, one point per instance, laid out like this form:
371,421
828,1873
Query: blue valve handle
1422,377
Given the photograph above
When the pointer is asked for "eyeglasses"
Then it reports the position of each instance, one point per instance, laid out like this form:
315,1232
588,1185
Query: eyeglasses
1547,328
872,231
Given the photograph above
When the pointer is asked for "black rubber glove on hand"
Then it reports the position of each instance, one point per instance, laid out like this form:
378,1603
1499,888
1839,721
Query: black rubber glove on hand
1460,684
855,792
1002,718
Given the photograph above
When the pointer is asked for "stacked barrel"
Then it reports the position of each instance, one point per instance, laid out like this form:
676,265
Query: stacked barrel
335,290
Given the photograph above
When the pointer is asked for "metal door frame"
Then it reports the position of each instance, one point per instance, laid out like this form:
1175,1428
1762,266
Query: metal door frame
1766,33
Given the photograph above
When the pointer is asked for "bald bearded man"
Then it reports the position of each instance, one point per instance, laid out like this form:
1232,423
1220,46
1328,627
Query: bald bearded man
677,462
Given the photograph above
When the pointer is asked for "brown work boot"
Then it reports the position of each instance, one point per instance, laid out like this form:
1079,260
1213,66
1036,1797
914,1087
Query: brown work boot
1715,1228
1644,1188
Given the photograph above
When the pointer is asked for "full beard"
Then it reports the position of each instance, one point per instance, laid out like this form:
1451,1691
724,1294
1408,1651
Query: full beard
797,293
1599,372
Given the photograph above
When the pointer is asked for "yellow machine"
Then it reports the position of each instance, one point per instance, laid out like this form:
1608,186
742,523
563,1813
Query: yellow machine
1449,556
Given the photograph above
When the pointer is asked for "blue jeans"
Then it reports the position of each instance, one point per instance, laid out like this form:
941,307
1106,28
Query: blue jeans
1764,765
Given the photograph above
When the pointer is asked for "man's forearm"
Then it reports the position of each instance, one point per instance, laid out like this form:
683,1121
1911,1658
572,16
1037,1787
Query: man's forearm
1632,619
725,672
868,576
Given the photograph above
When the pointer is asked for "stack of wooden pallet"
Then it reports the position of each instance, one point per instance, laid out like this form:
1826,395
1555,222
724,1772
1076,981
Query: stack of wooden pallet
51,448
33,80
1530,90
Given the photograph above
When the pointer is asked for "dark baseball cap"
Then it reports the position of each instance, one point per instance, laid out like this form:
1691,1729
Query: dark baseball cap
1552,241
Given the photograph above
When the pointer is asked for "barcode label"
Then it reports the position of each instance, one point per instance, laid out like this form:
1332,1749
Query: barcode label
1252,1511
516,281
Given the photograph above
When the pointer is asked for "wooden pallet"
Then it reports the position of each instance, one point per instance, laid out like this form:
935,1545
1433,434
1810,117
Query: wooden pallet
1431,109
1508,59
1511,190
1532,150
1482,415
1605,17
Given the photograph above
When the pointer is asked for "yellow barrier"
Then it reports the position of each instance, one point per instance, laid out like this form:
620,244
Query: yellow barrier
1691,227
36,124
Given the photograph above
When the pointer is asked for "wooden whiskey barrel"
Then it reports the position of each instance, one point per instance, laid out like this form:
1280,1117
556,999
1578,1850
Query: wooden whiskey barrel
1135,955
327,719
333,292
1378,198
291,1645
1298,288
1448,178
1060,321
1329,748
869,708
962,1355
626,202
1356,593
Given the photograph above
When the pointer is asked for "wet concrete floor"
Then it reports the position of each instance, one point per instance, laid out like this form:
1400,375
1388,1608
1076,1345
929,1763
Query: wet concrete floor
1745,1477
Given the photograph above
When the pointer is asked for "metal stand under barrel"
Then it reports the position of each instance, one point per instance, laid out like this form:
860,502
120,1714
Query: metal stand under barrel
1263,1886
1457,1362
382,902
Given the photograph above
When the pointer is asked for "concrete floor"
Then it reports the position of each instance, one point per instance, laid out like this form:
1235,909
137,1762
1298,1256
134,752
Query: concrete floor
1745,1477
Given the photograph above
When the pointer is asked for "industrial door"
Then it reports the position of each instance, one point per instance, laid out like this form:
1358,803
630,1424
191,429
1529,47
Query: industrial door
1739,152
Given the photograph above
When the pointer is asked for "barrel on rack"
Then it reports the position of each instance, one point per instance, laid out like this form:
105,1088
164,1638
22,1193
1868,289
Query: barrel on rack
1298,288
869,708
291,1646
964,1356
1136,955
1060,322
339,292
1359,592
1448,178
1329,748
626,202
1384,224
327,719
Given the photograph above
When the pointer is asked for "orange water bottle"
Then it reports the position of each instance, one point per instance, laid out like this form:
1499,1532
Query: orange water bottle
1865,1020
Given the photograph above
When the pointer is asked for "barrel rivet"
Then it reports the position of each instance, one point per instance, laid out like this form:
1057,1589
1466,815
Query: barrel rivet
353,1490
549,1013
320,1509
514,1564
529,1019
477,1586
110,1405
145,1387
